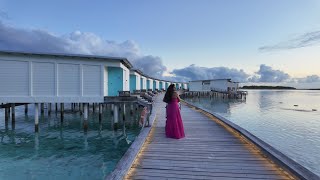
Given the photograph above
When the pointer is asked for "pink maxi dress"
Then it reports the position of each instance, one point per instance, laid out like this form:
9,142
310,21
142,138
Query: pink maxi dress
174,125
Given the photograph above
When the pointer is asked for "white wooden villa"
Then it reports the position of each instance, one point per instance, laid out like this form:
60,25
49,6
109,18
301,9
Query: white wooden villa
60,78
185,86
221,85
156,84
143,83
135,80
36,77
149,83
162,85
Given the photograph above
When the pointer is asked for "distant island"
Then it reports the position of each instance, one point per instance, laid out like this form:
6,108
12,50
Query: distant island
314,89
267,87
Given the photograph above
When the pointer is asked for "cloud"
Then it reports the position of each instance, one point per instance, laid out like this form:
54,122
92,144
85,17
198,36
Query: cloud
267,74
4,15
304,40
35,40
309,79
194,72
151,65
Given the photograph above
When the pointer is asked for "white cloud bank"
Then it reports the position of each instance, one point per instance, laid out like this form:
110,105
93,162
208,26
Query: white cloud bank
17,39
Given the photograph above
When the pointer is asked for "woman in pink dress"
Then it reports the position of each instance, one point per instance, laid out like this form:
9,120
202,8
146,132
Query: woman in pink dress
174,125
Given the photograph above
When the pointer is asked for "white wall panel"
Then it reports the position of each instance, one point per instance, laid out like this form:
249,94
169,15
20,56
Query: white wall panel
138,82
14,78
68,80
105,81
126,79
43,78
196,86
91,80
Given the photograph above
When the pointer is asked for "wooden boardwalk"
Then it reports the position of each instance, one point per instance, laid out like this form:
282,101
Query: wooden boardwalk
209,151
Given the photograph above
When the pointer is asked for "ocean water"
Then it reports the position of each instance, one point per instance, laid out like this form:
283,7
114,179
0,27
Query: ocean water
63,151
288,120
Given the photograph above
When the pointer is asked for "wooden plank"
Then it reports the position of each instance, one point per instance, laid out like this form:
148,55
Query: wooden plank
193,175
207,163
204,166
216,169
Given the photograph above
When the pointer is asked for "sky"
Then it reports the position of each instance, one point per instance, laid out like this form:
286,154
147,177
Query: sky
265,41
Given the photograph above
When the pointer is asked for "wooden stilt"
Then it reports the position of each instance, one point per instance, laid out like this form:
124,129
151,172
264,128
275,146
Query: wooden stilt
81,109
49,109
36,117
6,115
112,109
85,116
124,113
131,108
42,108
62,111
26,109
100,112
116,116
13,112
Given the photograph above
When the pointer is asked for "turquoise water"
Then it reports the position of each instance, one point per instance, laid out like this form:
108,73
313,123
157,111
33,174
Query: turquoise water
286,119
63,151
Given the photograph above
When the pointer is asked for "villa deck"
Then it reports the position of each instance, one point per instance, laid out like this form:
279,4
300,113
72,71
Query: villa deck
209,151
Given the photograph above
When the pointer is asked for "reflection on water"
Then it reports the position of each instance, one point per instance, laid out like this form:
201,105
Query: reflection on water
286,119
63,151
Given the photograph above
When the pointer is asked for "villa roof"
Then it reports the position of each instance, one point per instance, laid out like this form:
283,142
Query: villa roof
124,61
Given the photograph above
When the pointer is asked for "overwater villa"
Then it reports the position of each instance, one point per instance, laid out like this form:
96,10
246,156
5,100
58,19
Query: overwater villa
185,86
162,85
135,80
149,84
221,85
60,78
156,84
143,83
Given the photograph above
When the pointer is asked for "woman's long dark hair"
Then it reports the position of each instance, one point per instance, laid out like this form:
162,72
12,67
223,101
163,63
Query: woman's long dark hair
168,96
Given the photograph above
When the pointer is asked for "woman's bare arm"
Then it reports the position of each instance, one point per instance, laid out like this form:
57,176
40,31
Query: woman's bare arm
176,95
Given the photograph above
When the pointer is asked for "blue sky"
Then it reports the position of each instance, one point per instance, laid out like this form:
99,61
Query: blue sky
236,34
